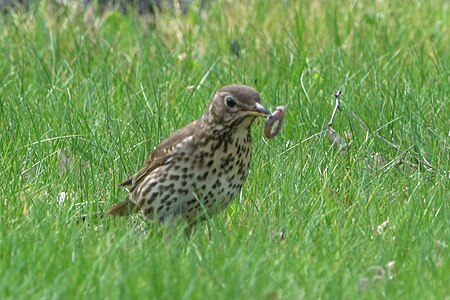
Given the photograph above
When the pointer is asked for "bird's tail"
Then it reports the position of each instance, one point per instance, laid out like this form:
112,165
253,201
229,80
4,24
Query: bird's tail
123,208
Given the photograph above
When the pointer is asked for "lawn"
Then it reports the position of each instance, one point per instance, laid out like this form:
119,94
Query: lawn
86,95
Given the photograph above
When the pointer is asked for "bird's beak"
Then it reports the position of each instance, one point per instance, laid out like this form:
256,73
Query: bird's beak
259,111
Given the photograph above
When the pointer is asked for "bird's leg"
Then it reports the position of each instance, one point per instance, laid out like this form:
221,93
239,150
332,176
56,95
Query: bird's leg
189,229
169,224
175,224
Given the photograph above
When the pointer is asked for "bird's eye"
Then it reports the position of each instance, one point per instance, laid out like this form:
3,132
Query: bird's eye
230,101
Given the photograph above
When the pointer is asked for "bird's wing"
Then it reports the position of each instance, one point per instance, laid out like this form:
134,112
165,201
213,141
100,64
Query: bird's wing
161,155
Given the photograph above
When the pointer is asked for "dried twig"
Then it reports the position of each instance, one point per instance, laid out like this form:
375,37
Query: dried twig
423,162
336,108
335,138
363,125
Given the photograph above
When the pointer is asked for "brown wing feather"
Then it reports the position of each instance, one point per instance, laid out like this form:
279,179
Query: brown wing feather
127,184
123,208
160,155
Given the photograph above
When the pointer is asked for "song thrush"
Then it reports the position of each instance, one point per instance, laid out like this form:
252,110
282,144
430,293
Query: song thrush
200,168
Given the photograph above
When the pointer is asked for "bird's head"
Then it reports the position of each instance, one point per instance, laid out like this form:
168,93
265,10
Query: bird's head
235,106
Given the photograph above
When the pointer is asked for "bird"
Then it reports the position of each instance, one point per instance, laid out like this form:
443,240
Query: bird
198,170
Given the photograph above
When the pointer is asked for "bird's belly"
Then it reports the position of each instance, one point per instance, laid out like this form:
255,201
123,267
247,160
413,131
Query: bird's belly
191,189
220,184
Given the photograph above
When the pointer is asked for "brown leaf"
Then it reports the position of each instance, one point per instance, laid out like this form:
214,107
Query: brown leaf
276,235
66,162
336,140
378,272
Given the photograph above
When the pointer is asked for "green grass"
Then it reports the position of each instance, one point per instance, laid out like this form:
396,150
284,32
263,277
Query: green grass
106,88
